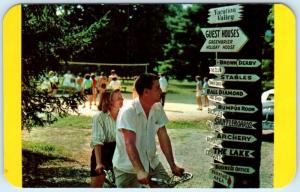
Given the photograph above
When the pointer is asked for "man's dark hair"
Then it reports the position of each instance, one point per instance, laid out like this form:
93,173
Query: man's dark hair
144,81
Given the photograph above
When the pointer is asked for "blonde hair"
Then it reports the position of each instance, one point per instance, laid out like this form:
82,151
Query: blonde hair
106,98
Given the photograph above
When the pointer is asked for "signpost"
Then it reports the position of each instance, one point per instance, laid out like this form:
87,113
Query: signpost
223,39
243,153
249,63
233,137
233,168
234,123
216,70
225,14
216,157
221,177
218,99
237,108
227,92
238,77
215,83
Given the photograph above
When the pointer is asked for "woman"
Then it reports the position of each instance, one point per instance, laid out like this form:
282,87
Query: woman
104,135
87,89
198,91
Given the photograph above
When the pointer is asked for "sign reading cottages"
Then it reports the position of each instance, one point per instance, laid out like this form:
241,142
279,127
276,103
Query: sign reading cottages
223,39
225,14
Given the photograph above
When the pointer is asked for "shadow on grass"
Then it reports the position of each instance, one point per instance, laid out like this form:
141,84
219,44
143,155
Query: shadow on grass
63,173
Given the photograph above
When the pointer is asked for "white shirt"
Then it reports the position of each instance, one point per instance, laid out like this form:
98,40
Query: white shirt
132,117
115,84
163,83
104,129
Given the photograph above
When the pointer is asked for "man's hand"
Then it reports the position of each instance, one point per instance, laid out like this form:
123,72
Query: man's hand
99,168
178,171
143,177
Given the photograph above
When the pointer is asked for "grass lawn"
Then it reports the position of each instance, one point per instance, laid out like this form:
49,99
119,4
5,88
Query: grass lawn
60,153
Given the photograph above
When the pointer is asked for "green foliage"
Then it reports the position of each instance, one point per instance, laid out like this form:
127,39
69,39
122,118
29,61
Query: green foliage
51,33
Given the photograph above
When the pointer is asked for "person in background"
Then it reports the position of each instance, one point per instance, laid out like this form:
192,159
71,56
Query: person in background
79,81
68,80
135,158
163,83
53,83
199,85
87,89
112,75
104,135
115,83
102,83
94,87
204,91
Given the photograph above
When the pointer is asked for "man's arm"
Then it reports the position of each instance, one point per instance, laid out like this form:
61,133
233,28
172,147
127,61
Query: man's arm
130,140
166,147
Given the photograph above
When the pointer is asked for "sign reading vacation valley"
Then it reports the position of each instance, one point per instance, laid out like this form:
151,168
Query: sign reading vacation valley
223,39
225,14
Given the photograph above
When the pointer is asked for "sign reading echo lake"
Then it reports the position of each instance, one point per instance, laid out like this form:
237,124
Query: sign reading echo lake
223,39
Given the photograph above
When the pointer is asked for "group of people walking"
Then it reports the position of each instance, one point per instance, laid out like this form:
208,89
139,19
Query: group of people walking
123,137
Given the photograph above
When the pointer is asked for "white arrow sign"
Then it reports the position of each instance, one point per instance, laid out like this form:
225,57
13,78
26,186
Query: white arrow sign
215,83
238,77
213,141
233,137
217,157
237,108
213,126
233,168
218,99
227,92
221,177
215,112
225,14
234,123
217,70
246,153
238,62
223,39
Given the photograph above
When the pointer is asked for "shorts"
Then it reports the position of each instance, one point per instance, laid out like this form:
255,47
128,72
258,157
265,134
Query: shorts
88,91
107,152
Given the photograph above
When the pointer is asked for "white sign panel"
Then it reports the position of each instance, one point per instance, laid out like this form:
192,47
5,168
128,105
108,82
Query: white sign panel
215,112
234,123
238,77
215,83
221,177
218,99
213,141
233,168
245,153
216,70
238,62
213,126
223,39
237,108
233,137
225,14
216,157
227,92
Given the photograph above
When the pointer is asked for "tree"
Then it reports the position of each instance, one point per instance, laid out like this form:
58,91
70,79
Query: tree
51,33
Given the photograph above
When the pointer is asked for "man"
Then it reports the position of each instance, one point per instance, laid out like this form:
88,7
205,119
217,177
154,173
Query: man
135,158
163,83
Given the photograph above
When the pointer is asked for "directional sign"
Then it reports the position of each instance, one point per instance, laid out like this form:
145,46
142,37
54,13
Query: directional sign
227,92
225,14
215,112
213,126
221,177
238,77
217,157
236,108
233,137
216,70
234,123
238,62
213,141
245,153
214,98
215,83
223,39
233,168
